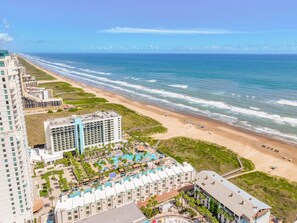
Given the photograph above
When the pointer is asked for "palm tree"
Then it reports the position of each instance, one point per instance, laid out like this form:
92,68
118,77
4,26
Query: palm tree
76,152
52,198
50,190
111,161
96,185
71,184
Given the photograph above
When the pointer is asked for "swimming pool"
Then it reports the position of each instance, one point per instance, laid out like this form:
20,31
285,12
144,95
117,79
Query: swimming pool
138,157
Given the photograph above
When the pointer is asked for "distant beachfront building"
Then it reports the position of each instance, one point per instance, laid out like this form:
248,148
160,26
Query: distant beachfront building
33,96
15,185
83,131
137,188
230,202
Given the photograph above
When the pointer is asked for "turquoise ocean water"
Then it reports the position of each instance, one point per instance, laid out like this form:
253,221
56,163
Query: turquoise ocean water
256,92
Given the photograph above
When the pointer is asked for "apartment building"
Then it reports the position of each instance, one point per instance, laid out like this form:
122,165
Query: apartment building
15,184
231,203
135,188
83,131
33,96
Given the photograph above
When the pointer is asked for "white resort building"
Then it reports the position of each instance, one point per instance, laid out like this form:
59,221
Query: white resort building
15,184
232,203
83,131
135,188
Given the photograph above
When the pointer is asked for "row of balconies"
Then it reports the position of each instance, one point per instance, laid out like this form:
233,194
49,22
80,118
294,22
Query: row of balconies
140,194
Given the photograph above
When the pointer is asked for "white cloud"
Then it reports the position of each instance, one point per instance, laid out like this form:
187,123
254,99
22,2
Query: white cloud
5,37
167,31
5,23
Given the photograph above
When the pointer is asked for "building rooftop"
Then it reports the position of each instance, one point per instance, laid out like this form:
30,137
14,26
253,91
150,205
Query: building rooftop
112,189
39,155
127,213
137,182
235,199
85,118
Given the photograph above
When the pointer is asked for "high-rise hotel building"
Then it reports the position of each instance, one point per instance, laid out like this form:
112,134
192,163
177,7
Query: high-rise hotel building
83,131
15,180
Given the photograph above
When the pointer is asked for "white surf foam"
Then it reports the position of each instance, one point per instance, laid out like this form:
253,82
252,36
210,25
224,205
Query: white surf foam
286,102
183,86
254,108
226,118
136,78
205,103
222,117
57,64
276,133
217,104
151,81
94,72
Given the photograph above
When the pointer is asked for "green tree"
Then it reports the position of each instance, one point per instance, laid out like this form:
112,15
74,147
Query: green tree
76,152
52,198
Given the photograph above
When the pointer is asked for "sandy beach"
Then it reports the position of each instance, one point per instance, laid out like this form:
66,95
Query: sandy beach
246,143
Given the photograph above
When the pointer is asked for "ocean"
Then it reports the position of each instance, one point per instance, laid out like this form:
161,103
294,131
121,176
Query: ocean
255,92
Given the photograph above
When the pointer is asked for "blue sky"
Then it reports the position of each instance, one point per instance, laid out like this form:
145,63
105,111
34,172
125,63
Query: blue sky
228,26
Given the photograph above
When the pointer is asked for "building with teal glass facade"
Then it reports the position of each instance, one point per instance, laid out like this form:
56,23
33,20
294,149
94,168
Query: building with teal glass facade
83,131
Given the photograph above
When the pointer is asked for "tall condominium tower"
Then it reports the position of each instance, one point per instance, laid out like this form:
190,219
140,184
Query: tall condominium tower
83,131
15,181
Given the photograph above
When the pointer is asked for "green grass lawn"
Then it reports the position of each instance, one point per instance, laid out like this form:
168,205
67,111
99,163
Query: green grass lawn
202,155
248,165
38,74
72,95
35,129
277,192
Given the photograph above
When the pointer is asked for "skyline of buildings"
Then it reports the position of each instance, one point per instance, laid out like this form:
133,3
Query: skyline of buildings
15,185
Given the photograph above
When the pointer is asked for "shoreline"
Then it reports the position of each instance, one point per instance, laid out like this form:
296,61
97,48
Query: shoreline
245,143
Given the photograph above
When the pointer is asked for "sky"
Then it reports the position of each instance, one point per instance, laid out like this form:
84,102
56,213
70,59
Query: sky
183,26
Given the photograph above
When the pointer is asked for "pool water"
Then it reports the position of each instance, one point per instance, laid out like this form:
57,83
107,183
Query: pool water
138,157
74,194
